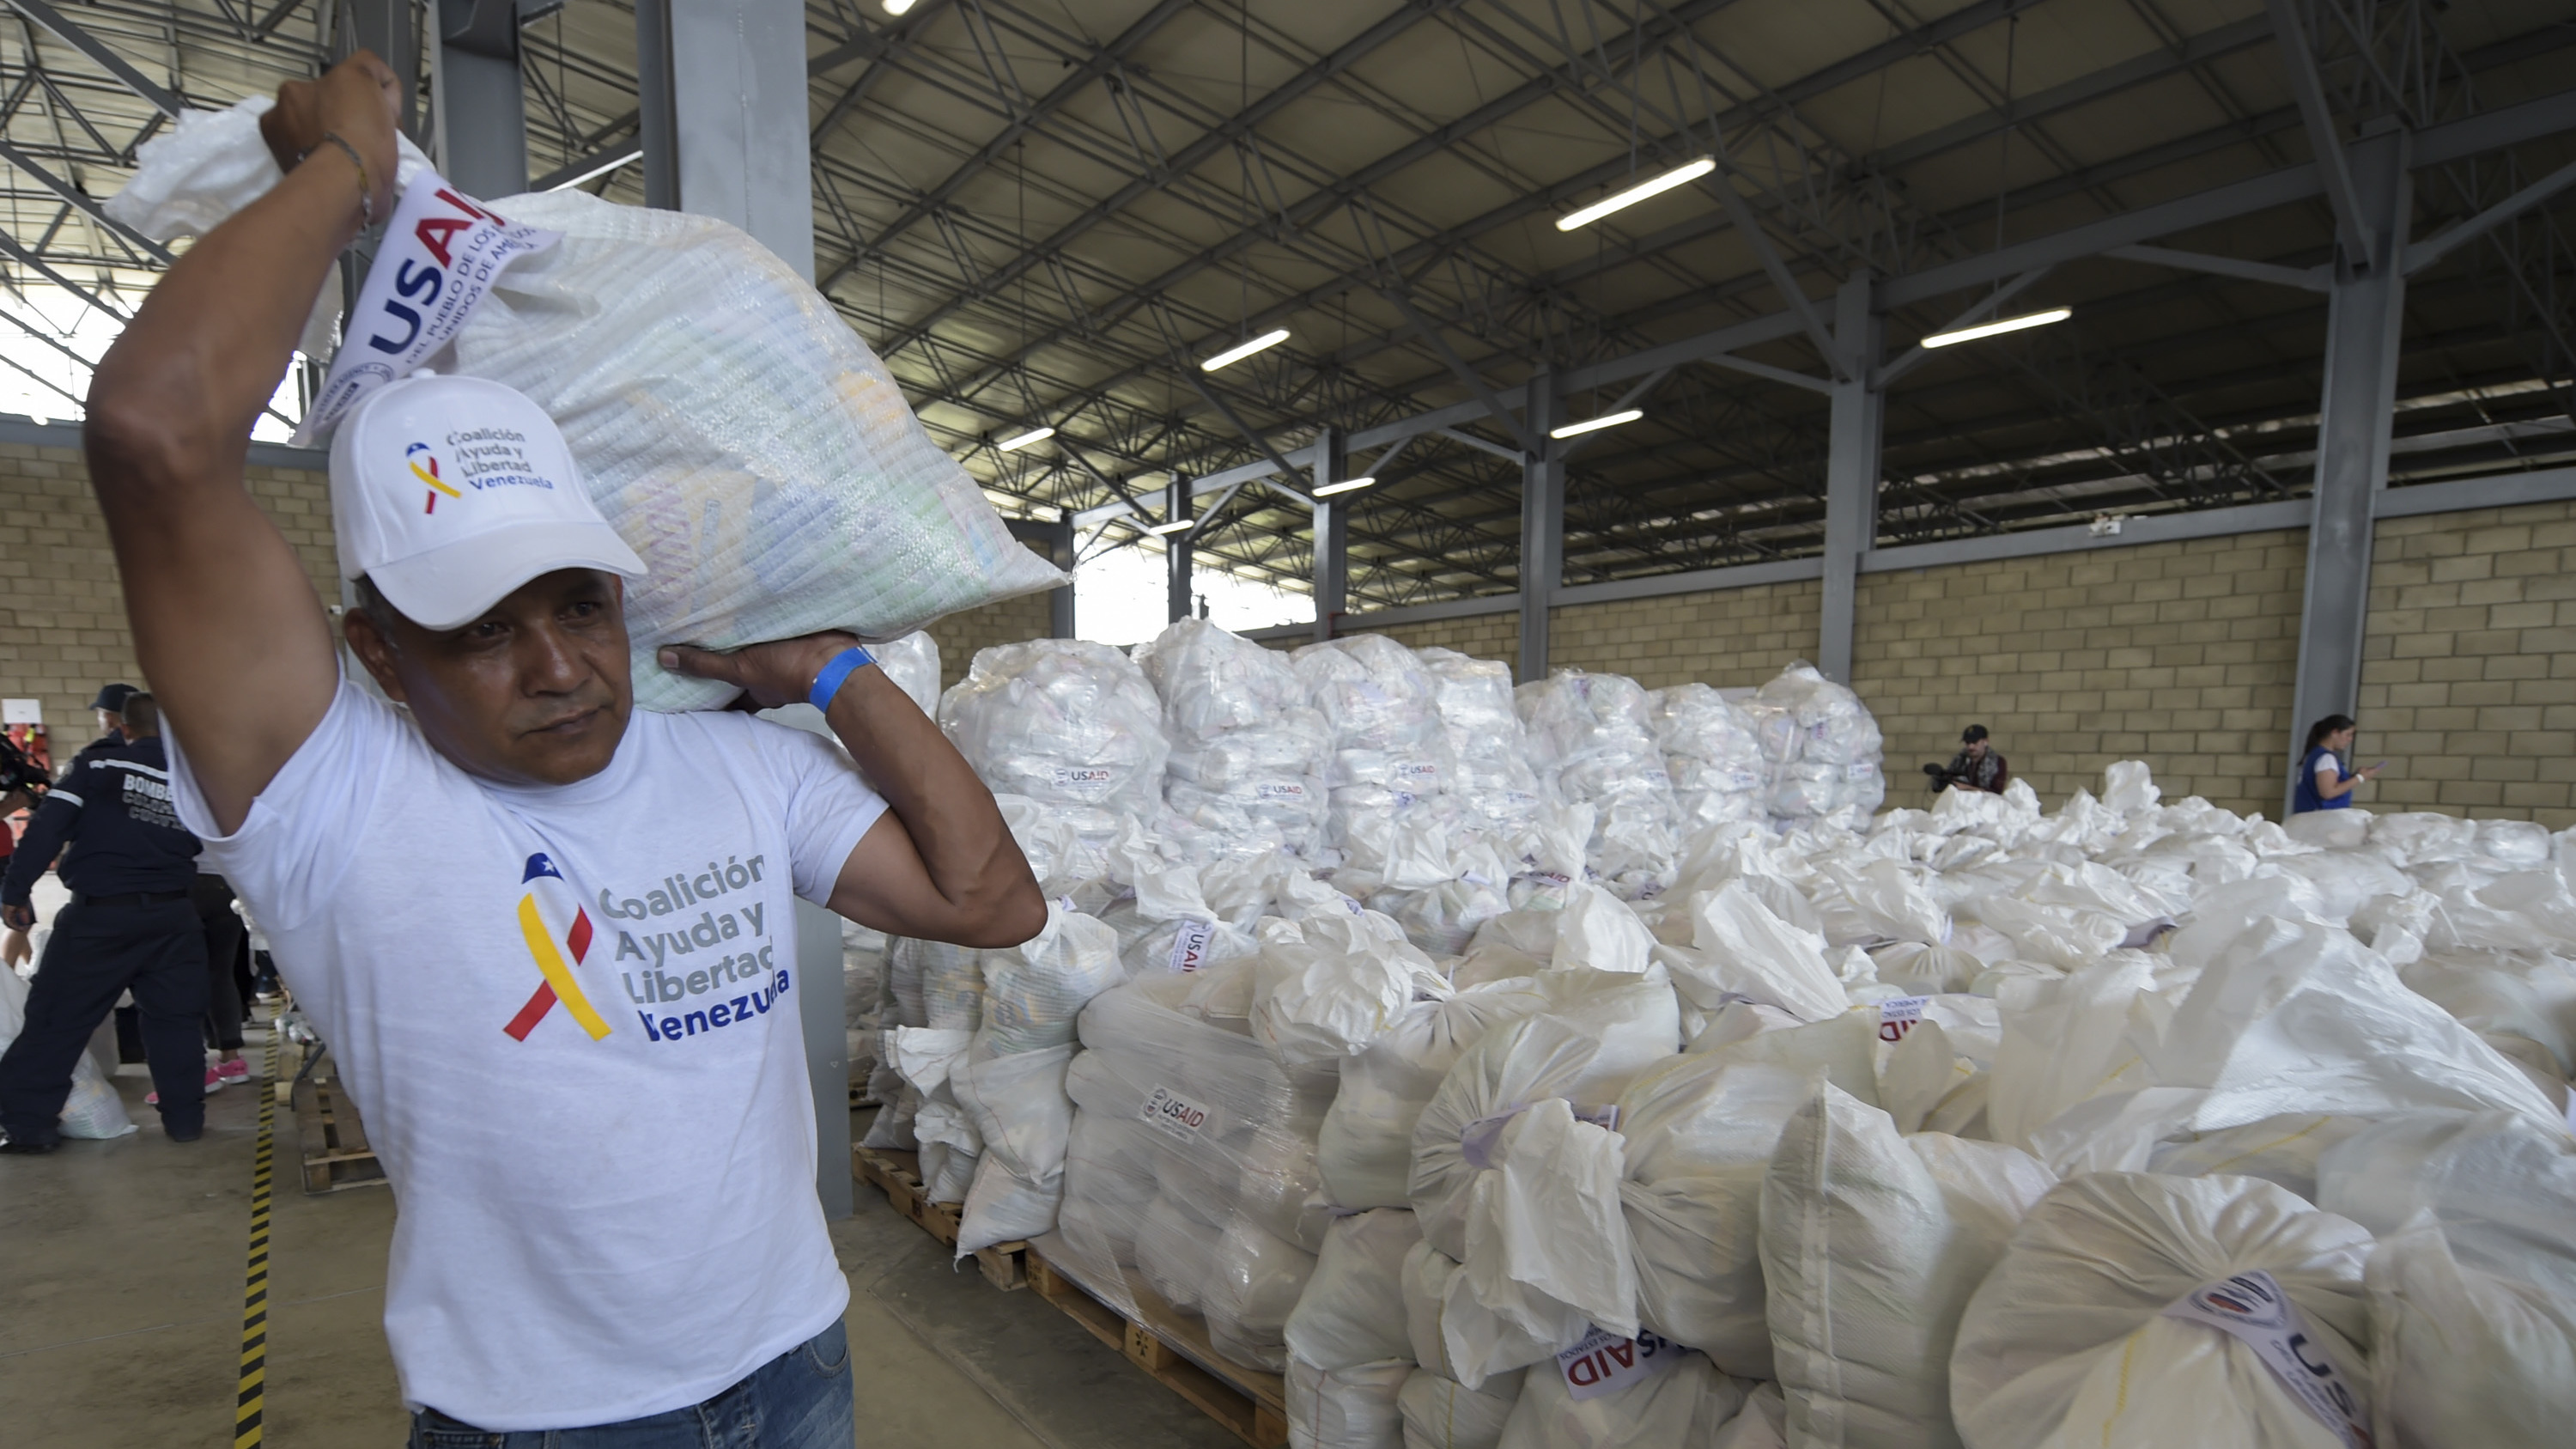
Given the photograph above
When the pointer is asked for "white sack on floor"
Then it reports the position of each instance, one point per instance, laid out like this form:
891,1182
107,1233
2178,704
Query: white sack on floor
1544,1230
1599,930
1763,1422
2073,1319
1254,1280
2475,1266
1871,1246
1743,950
1352,1311
1339,986
1512,1066
1346,1408
1677,1407
1366,1147
93,1109
1442,1413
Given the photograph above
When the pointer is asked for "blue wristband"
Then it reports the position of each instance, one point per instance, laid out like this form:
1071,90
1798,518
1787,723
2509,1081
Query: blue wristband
837,673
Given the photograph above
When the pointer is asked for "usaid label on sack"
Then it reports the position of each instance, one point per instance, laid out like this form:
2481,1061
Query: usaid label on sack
1190,943
1897,1016
1085,782
440,255
1279,790
2251,1307
1604,1363
1174,1115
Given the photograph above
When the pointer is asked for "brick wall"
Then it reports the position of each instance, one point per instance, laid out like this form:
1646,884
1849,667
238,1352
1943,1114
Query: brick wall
2468,677
62,611
2180,654
1008,622
1485,636
1728,638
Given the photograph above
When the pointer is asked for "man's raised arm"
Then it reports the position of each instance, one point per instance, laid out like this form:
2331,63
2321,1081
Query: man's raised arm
225,622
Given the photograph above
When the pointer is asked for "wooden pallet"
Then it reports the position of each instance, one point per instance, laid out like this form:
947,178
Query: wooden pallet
334,1141
1173,1350
898,1176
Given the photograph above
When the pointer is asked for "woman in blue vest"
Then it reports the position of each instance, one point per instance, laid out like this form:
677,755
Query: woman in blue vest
2324,783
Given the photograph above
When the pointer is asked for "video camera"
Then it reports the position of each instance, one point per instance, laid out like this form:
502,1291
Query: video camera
17,772
1942,777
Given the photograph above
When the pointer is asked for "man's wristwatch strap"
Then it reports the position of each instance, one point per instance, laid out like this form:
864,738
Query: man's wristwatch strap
837,673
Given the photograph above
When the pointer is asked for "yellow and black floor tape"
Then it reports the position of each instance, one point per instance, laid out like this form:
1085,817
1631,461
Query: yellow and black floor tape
251,1405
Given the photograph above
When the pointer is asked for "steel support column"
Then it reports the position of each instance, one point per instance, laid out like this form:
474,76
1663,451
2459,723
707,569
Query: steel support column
1055,540
482,118
1176,551
1851,469
1542,523
2364,317
1325,461
722,113
728,126
391,29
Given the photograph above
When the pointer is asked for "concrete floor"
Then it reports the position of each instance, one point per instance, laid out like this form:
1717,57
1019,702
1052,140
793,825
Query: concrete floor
120,1314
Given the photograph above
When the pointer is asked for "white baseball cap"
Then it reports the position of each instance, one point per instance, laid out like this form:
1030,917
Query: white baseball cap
449,492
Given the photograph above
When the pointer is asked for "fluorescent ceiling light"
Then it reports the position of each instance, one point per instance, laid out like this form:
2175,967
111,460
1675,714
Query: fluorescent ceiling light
1993,329
1033,435
1233,355
599,170
897,7
1682,175
1594,425
1171,526
1347,485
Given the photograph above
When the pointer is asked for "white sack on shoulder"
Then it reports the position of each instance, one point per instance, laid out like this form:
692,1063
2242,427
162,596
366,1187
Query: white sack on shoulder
1871,1246
2073,1318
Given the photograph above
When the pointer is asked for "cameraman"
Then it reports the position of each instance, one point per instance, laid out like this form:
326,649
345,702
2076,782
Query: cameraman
1977,766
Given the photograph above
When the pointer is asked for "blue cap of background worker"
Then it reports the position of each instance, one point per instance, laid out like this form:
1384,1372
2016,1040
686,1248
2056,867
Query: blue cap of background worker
112,697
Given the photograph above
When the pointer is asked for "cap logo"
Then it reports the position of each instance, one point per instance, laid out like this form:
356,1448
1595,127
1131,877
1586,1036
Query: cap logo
424,466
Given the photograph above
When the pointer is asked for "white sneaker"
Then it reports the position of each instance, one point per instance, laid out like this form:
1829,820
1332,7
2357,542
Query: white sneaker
214,1084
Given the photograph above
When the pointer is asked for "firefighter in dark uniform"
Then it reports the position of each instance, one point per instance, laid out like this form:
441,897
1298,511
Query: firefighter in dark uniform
129,925
109,706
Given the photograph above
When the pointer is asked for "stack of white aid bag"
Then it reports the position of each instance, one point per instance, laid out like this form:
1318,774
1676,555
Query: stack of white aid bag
1190,1183
1012,1081
1712,755
1822,746
1590,745
912,662
1245,775
1390,764
1068,724
1493,778
1348,1351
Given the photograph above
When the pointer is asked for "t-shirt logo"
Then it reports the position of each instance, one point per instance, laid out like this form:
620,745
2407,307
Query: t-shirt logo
547,904
424,466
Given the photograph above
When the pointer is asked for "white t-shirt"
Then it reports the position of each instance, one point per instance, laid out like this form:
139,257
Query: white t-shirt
569,1017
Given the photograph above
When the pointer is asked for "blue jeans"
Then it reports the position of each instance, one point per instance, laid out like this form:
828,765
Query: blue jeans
798,1400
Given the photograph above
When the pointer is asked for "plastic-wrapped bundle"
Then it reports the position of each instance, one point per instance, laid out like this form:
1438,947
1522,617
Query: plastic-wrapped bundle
1247,749
1366,1149
864,997
1070,724
1390,756
912,662
1712,755
1590,744
1474,697
1191,1163
1823,747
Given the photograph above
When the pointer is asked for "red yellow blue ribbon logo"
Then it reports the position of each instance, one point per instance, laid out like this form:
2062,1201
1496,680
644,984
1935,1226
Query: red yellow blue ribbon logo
424,466
549,903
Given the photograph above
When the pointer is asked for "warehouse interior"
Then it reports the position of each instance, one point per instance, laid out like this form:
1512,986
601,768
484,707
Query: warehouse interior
1628,347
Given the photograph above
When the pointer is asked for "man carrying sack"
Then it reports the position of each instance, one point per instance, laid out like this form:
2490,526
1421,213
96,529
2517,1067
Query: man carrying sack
548,936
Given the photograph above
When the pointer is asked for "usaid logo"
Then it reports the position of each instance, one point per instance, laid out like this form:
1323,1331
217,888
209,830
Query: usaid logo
1174,1115
2246,1300
418,280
